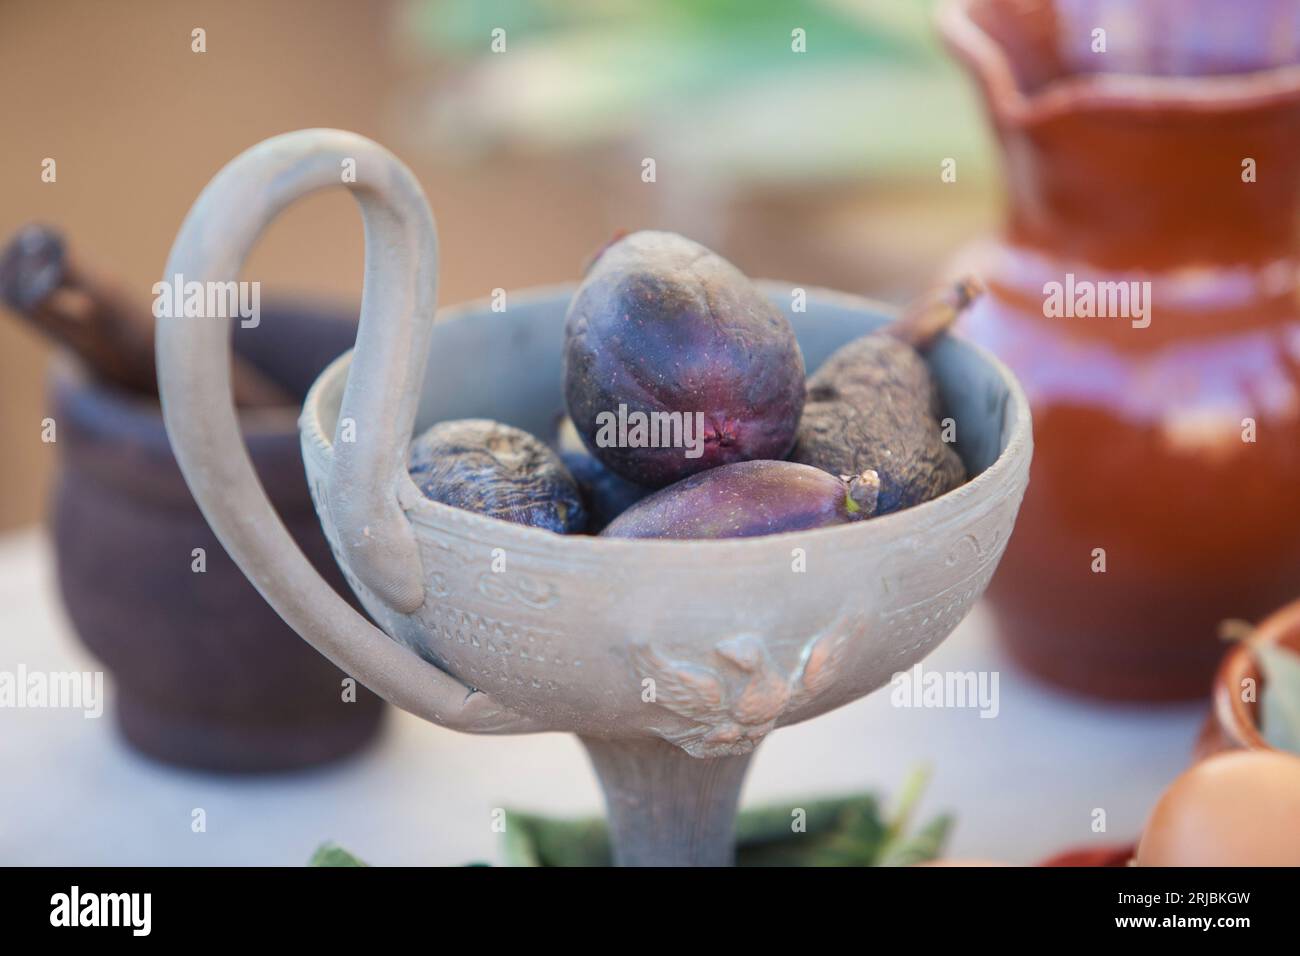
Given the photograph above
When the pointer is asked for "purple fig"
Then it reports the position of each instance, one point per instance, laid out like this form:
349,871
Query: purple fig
747,499
675,363
499,471
873,405
605,494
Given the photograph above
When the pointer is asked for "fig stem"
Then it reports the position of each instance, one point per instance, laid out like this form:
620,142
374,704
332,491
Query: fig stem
931,315
861,494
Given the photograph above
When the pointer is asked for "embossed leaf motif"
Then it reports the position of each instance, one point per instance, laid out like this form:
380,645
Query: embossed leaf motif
735,699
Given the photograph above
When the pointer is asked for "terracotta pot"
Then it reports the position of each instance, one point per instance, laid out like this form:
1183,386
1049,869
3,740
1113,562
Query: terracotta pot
1109,856
206,674
1128,166
1233,722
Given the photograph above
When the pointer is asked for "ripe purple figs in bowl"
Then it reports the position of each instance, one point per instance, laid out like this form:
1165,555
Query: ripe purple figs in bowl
675,362
493,626
497,470
552,636
747,499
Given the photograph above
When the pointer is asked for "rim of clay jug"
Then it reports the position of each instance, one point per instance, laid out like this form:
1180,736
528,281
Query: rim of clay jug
997,479
988,60
1237,720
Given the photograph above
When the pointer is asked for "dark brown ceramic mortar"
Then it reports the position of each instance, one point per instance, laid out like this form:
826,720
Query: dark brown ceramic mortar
206,674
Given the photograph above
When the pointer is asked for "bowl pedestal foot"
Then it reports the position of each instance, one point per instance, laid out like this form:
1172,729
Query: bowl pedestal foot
665,807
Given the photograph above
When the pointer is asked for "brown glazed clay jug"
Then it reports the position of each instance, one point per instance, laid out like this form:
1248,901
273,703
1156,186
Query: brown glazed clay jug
1165,489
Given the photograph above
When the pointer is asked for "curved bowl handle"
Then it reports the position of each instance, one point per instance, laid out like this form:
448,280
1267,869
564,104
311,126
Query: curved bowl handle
381,395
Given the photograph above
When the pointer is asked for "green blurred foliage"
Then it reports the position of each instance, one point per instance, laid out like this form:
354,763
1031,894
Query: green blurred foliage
331,855
851,830
837,831
739,33
713,84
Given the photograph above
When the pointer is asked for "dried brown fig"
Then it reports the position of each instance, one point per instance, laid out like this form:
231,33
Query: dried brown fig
874,406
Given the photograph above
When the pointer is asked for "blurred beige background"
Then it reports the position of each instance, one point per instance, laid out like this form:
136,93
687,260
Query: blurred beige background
138,123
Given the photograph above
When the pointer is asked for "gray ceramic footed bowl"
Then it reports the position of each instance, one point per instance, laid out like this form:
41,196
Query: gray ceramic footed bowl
736,640
650,651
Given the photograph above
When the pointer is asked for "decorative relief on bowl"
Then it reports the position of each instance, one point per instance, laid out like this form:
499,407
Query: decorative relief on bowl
922,623
492,649
735,695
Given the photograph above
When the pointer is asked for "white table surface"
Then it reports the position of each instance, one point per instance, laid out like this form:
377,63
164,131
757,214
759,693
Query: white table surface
1022,785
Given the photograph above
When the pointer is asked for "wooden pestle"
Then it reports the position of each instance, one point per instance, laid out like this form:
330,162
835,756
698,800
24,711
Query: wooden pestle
111,330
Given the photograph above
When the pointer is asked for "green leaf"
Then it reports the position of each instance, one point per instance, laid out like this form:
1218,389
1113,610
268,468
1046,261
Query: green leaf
331,854
532,840
1279,699
926,845
837,831
834,831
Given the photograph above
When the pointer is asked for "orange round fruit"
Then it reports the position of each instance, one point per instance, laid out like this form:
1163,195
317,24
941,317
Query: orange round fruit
1234,809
